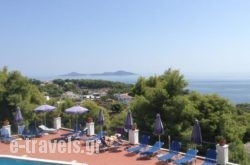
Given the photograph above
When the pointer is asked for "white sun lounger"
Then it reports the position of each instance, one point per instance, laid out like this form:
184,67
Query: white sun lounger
48,130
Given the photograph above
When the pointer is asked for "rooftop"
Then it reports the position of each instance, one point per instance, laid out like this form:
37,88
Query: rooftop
85,156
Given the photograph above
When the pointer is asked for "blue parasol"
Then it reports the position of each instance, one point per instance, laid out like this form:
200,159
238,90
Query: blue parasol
129,121
100,119
158,126
196,133
18,116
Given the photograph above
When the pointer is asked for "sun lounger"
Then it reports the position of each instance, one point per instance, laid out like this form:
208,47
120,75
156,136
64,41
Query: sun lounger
153,150
7,139
48,130
76,135
98,136
28,134
104,146
113,146
1,135
174,151
81,131
188,158
210,158
138,148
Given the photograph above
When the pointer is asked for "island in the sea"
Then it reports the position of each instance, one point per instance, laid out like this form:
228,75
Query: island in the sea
117,73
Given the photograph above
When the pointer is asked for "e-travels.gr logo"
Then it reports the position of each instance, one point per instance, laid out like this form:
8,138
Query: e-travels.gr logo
60,146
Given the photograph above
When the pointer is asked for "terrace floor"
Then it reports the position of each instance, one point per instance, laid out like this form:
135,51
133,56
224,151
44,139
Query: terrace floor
66,152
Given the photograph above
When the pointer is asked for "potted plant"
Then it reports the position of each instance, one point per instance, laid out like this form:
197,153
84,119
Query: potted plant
56,114
89,119
221,140
6,122
134,126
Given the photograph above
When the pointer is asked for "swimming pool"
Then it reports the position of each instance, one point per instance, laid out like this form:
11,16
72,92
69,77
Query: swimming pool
15,160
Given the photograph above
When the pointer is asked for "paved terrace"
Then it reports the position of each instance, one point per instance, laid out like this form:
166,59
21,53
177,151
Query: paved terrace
107,157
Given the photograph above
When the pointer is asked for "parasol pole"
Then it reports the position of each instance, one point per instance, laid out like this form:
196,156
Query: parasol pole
159,140
195,150
101,130
45,118
76,123
169,143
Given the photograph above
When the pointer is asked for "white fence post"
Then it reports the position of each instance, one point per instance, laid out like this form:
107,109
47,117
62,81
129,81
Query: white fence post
6,130
133,136
91,128
222,154
57,122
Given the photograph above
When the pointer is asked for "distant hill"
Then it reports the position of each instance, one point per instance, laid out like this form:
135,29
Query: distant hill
74,74
117,73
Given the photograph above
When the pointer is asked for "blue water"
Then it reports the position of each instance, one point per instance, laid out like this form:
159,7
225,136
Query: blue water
235,90
12,161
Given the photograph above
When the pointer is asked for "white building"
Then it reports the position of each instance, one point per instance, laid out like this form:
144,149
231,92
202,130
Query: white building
71,95
124,98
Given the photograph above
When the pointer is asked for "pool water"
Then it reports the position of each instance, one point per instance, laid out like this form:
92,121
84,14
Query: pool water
12,160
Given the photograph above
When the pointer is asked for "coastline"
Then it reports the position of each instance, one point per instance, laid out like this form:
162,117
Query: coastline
236,90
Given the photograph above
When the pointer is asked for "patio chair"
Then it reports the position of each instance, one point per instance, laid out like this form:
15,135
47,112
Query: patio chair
1,135
36,132
28,134
174,151
188,158
210,158
121,131
48,130
104,146
114,146
82,132
7,139
138,148
75,135
121,135
98,136
152,150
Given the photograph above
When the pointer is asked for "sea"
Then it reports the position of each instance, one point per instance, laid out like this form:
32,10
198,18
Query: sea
235,90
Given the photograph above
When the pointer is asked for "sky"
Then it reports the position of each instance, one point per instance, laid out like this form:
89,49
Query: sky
196,37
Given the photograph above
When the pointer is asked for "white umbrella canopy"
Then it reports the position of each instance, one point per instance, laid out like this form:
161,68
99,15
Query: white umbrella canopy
77,110
44,108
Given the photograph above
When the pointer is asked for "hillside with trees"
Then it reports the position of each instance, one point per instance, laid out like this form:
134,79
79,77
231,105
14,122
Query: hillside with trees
17,91
166,94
